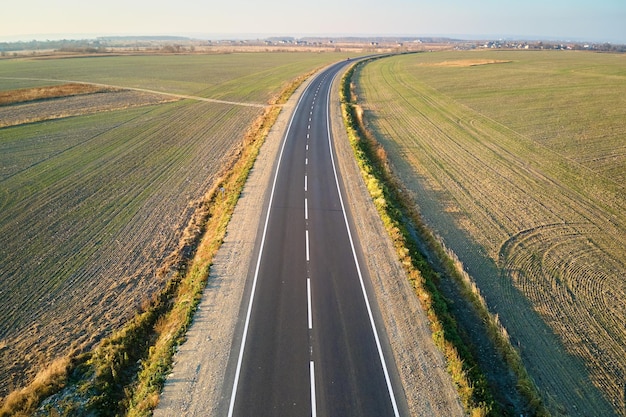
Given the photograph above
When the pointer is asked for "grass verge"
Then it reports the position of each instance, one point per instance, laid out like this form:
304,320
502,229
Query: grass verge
125,373
409,234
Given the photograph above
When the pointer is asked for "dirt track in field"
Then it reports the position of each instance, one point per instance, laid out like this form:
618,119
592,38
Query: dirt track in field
144,90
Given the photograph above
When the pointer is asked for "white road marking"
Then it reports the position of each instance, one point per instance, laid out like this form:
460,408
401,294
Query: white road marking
313,405
307,246
306,209
306,161
305,183
308,295
358,268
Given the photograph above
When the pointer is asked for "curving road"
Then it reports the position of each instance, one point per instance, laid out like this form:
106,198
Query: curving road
310,344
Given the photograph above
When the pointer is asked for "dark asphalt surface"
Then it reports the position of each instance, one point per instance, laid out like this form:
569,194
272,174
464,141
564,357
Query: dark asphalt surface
309,347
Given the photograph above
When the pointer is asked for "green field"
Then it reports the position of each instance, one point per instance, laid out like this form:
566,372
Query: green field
92,205
249,77
518,160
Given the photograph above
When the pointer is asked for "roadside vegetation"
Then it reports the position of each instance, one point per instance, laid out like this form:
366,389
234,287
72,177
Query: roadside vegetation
517,161
426,262
101,202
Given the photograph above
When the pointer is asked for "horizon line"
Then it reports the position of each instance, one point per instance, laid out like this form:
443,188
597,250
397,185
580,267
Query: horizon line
43,37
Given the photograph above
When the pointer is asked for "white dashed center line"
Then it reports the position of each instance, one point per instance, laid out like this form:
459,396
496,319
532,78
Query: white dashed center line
313,405
307,246
308,293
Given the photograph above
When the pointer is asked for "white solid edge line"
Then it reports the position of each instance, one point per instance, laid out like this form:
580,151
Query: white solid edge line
358,267
258,264
313,405
308,296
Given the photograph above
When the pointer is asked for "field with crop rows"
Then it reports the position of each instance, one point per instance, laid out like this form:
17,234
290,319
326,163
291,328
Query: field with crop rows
518,161
93,202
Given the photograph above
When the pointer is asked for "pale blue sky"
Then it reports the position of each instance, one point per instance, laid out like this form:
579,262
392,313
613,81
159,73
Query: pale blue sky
599,20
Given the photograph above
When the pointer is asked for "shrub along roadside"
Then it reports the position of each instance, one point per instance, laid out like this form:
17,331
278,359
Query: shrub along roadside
409,234
125,373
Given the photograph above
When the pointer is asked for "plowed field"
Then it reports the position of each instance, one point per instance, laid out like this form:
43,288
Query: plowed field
520,167
96,189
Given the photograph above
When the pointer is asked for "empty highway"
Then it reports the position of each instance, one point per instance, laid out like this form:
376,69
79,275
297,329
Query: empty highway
310,344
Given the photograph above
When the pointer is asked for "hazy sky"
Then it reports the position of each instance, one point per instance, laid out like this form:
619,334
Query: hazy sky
594,20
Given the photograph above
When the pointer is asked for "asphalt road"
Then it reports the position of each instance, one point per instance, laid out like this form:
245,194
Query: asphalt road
309,344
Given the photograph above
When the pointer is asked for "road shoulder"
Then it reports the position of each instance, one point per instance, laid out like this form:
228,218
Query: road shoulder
199,378
428,387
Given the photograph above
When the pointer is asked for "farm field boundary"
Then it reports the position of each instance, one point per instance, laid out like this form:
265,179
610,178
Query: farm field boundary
513,166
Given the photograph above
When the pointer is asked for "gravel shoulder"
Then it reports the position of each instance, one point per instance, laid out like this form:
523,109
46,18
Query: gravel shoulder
199,377
428,387
196,385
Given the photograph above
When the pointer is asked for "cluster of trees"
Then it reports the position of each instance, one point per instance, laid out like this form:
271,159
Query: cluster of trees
60,45
99,45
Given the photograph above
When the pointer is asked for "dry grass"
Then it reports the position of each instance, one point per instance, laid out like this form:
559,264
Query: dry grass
402,222
465,63
43,93
24,401
213,220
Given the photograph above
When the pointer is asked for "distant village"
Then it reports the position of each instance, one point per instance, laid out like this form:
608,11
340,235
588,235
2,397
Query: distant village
175,44
506,44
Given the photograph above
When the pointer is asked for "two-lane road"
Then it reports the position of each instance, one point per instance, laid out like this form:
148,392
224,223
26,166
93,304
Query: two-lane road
310,344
